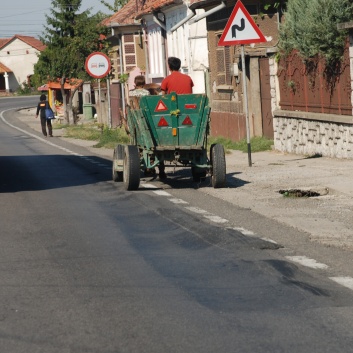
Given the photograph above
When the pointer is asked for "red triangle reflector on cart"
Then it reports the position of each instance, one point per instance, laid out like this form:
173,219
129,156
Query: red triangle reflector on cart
187,121
161,107
162,122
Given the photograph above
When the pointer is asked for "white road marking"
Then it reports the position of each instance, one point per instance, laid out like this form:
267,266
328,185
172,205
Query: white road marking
344,281
243,231
269,240
178,201
161,193
196,210
149,186
216,219
305,261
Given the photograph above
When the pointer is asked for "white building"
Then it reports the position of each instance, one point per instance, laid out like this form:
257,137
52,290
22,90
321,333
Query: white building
168,33
17,58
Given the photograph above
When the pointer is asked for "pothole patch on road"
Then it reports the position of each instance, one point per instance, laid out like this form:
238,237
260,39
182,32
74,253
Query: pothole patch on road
304,192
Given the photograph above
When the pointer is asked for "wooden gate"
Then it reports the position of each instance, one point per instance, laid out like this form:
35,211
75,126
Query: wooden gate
310,88
116,104
267,119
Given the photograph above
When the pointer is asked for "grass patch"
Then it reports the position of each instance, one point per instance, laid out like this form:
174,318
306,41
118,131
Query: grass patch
109,138
83,132
257,144
105,137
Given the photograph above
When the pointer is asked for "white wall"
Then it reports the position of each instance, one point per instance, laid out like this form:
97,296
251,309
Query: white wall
155,52
189,43
20,59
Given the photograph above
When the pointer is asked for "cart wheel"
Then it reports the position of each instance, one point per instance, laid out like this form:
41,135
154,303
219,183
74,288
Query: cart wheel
131,170
218,162
118,153
117,176
197,174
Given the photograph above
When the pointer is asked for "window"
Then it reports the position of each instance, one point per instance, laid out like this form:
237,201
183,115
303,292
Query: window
223,62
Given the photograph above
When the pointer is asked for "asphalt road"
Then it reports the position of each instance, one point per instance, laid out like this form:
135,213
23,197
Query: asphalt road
86,266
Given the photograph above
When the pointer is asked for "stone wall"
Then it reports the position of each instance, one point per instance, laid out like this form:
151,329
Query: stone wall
313,134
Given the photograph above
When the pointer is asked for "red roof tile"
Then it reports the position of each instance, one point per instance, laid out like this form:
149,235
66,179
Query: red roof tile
4,68
126,15
155,5
73,83
33,42
135,9
4,41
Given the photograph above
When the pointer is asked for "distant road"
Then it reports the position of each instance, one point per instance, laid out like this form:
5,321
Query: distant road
18,102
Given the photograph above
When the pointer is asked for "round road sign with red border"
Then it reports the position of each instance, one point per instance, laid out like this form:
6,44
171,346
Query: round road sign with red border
98,65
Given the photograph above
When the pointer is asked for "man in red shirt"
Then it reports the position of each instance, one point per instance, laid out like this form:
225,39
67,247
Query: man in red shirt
176,81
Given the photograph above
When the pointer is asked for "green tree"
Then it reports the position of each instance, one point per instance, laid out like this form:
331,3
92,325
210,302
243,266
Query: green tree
310,26
118,4
70,36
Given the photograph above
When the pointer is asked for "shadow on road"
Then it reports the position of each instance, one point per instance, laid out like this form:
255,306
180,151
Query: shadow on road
182,179
43,172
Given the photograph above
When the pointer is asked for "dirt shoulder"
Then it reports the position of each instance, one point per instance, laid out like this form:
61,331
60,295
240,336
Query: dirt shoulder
328,218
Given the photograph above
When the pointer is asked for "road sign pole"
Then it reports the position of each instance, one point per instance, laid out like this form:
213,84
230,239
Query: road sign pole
246,109
109,106
241,29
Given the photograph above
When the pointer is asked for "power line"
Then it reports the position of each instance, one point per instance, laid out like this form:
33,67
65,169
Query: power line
20,14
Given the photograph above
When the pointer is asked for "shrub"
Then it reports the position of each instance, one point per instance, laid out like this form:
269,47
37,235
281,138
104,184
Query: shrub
310,26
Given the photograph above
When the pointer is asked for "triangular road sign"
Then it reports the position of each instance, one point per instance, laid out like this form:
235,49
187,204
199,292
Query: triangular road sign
241,28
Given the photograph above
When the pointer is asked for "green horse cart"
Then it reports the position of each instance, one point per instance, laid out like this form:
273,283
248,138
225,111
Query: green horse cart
168,130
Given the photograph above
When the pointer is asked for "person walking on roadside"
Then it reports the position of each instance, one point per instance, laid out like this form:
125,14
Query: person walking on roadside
43,103
176,82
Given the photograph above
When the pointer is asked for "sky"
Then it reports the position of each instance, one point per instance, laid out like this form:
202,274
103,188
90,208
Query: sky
27,17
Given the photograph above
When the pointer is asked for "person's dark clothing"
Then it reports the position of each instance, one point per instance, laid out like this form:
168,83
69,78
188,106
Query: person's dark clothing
43,120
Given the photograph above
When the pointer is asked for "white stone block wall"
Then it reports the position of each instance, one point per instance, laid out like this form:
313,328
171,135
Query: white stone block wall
351,63
311,137
274,85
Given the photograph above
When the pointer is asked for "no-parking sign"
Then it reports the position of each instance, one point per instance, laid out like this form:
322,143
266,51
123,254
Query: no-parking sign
98,65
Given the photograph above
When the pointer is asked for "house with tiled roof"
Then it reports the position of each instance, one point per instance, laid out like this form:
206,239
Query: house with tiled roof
190,30
18,55
226,73
127,54
146,32
127,50
169,34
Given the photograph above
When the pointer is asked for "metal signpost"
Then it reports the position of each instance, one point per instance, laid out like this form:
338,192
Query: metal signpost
98,65
239,30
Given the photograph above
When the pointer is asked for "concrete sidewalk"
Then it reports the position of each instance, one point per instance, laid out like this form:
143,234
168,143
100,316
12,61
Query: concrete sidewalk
327,218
